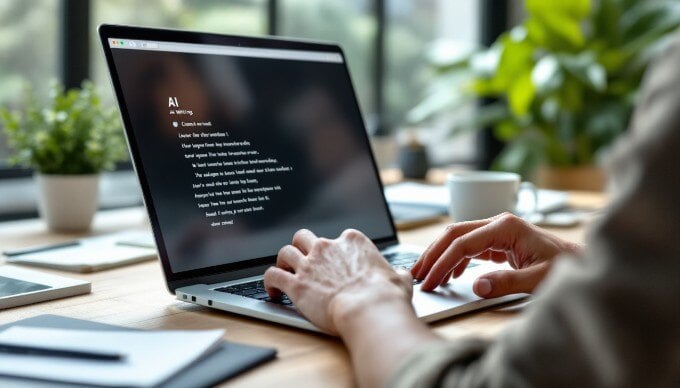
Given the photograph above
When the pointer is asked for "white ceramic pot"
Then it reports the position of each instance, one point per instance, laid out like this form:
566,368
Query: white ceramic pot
67,202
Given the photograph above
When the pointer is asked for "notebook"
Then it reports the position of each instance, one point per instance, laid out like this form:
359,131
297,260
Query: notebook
229,360
89,254
122,358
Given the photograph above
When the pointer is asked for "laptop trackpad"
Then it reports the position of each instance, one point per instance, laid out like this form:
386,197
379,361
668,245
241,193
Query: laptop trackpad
457,296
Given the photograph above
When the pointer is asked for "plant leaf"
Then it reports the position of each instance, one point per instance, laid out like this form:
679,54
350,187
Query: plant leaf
521,94
557,23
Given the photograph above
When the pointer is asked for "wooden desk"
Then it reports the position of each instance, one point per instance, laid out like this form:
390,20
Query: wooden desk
136,296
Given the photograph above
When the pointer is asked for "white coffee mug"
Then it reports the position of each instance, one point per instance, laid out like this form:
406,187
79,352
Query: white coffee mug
481,194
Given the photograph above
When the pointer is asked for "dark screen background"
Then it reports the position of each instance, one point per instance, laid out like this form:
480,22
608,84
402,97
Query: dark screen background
302,113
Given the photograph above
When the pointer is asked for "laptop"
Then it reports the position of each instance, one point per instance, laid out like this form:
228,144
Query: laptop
238,142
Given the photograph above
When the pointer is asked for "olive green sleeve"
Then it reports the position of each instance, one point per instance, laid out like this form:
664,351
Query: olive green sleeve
611,318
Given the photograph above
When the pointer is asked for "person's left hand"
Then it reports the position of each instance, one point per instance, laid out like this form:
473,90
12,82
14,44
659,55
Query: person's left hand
329,280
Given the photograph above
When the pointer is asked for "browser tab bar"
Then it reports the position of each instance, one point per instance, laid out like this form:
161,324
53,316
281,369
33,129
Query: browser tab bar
300,55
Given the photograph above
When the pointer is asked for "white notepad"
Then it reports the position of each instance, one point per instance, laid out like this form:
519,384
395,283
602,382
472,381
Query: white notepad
91,254
150,357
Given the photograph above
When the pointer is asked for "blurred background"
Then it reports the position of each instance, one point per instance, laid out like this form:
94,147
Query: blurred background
510,79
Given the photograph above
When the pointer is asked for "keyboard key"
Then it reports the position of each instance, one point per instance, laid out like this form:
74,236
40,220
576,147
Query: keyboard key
401,257
249,292
259,295
402,262
283,301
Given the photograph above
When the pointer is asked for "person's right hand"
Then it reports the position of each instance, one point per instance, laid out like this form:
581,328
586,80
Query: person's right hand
505,237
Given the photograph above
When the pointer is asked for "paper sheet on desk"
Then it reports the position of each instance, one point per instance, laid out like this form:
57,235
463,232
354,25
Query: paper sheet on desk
411,193
152,357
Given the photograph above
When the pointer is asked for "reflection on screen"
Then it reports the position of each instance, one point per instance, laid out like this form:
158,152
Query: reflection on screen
240,152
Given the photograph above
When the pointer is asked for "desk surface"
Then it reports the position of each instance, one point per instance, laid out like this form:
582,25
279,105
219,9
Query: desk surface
136,296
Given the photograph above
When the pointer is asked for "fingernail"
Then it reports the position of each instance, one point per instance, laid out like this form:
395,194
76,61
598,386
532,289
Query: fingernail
483,287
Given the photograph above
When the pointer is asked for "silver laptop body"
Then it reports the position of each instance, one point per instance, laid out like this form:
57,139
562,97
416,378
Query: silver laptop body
240,141
453,299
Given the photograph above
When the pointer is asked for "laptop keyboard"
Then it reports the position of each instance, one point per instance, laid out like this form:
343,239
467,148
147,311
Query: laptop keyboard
403,260
255,289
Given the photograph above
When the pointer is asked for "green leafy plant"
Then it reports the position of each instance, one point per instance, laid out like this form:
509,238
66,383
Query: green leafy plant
563,83
72,134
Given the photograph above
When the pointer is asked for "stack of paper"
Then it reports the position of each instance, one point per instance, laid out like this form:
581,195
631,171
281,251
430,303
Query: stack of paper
149,358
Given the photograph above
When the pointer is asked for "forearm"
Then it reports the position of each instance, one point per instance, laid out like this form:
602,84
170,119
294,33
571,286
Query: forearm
380,335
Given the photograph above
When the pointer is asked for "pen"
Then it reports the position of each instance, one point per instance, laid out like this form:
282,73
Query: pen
136,244
79,354
24,251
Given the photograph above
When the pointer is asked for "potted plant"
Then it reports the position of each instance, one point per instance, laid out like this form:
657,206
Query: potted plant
413,160
67,142
562,84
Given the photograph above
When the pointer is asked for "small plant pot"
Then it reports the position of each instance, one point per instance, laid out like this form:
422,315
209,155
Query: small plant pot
588,178
67,202
413,161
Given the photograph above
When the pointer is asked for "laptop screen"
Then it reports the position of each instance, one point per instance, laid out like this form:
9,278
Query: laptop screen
242,146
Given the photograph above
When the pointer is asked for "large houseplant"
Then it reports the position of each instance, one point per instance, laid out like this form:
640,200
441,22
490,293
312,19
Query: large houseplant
67,141
562,84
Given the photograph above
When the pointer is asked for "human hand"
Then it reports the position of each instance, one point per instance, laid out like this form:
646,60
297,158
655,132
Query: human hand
330,280
505,237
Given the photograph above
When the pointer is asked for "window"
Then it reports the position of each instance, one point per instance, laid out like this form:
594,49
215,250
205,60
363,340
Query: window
351,23
29,41
413,29
385,41
410,29
243,17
